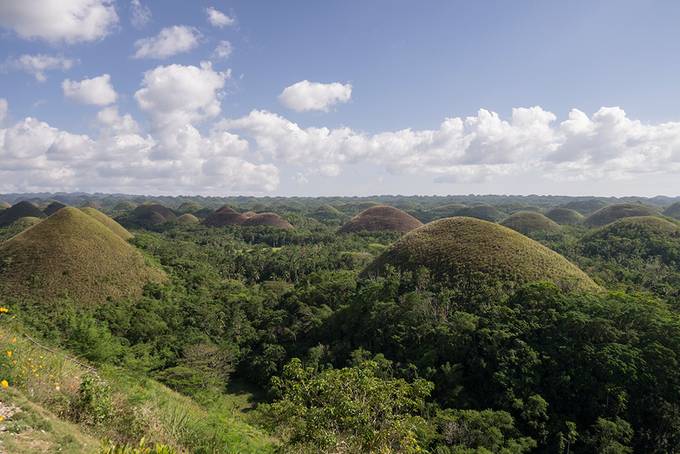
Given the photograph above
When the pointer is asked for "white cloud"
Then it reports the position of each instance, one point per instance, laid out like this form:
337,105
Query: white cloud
245,154
56,21
218,18
478,147
3,109
176,95
39,157
305,95
112,121
38,64
140,15
97,91
170,41
223,50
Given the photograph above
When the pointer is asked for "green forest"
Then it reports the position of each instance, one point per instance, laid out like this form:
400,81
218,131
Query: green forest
468,324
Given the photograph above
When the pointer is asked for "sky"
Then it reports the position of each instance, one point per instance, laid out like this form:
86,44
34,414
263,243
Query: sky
351,97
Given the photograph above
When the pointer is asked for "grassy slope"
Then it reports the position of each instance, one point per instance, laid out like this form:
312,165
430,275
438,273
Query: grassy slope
381,218
44,381
528,222
72,254
565,216
466,249
108,222
612,213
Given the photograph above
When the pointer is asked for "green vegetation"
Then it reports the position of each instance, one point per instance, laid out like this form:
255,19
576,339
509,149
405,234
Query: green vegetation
611,213
471,252
461,336
70,254
18,211
673,211
565,216
381,218
528,222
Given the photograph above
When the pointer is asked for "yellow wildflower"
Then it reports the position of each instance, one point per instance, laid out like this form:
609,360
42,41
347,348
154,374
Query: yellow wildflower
4,384
9,353
2,418
3,310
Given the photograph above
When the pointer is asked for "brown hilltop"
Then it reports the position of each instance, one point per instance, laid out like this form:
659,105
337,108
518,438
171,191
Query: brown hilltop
152,214
53,208
20,210
474,252
224,216
73,255
381,218
268,219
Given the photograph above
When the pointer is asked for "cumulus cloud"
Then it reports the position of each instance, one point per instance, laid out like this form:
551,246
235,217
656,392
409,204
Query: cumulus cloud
245,154
39,157
97,91
218,18
4,107
37,65
608,144
140,15
176,95
170,41
305,95
223,50
55,21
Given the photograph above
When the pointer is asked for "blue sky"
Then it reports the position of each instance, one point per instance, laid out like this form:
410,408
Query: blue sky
384,97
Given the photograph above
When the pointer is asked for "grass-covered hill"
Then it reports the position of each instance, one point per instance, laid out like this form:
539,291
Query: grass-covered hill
108,222
149,215
71,254
4,205
479,253
528,222
188,219
381,218
267,219
565,216
636,237
327,213
484,212
20,210
53,207
224,216
673,211
611,213
585,206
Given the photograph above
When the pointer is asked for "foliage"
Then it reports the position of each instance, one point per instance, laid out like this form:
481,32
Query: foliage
346,410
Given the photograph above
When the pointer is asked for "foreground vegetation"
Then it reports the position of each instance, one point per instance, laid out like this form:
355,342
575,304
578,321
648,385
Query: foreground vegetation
265,340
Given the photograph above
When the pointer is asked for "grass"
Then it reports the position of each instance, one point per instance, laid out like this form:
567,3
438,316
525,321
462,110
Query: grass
18,211
565,216
611,213
381,218
46,383
70,254
35,430
53,208
527,222
152,214
188,219
481,253
269,219
586,206
108,222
